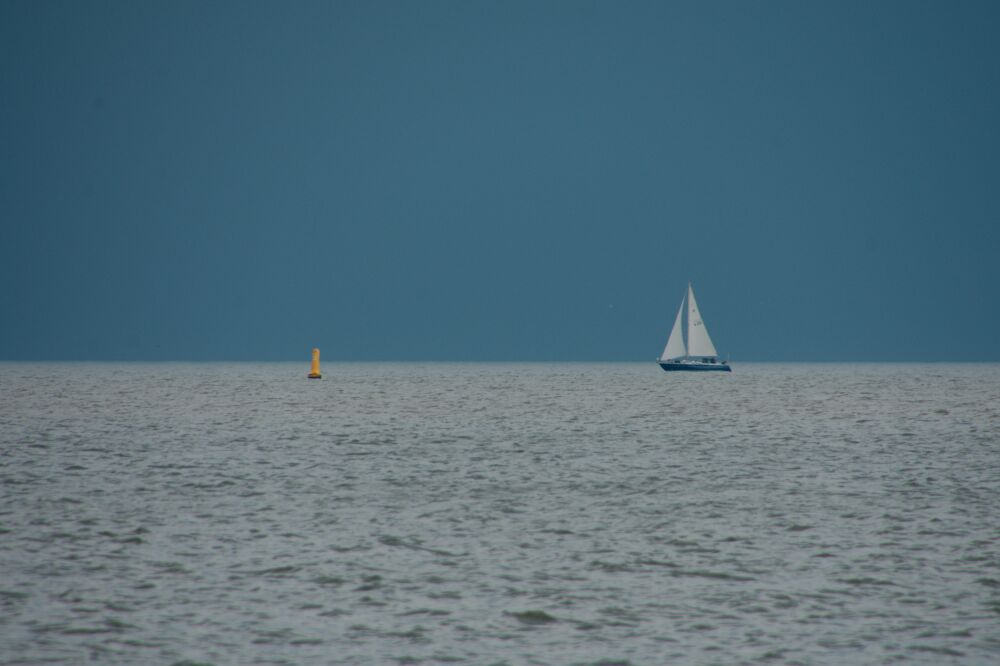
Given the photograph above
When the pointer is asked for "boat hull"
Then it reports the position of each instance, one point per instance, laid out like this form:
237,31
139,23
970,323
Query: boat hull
696,367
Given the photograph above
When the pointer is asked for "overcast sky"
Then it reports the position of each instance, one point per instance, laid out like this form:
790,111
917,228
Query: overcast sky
498,180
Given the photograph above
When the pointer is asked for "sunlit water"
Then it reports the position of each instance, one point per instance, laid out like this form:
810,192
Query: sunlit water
499,514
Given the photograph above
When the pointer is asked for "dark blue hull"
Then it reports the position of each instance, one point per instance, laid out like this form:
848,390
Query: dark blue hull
696,367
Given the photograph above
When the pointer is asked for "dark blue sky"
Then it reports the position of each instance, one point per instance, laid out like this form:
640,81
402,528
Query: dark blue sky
498,180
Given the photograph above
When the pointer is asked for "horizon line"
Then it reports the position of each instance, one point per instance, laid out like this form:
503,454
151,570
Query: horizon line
469,361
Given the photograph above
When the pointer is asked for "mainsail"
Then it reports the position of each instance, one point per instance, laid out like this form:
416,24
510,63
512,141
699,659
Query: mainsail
675,343
698,343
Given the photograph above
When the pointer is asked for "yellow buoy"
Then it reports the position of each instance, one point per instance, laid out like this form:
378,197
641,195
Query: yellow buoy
314,371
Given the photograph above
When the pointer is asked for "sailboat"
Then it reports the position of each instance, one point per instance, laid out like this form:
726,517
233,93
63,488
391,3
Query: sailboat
699,354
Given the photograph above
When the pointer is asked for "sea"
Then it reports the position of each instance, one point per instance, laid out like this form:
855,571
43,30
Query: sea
499,513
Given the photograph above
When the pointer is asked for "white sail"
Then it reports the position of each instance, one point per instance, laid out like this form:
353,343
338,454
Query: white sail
699,344
675,343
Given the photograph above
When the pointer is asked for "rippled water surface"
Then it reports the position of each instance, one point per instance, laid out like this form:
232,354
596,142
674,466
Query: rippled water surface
499,514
